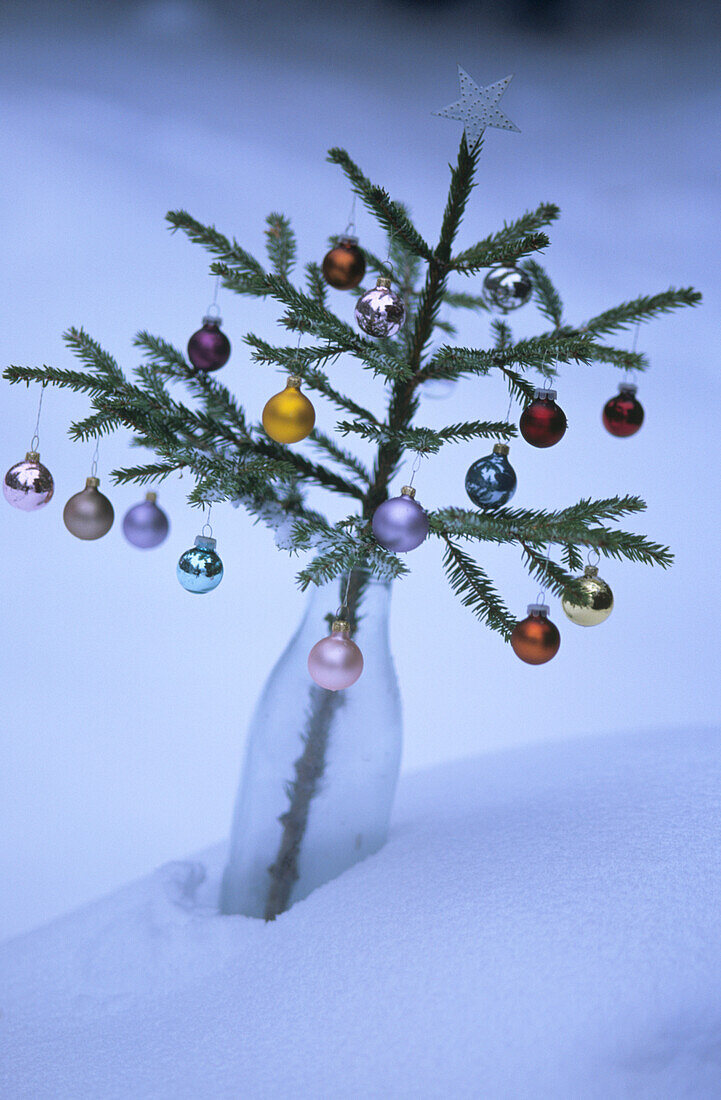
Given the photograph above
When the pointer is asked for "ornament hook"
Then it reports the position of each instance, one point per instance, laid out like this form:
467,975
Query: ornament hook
593,553
94,463
35,441
207,524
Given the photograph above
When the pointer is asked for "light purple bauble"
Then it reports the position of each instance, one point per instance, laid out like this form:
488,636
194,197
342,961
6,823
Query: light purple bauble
400,524
335,662
145,525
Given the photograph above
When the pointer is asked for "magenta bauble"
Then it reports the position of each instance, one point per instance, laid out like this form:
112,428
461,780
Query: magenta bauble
336,662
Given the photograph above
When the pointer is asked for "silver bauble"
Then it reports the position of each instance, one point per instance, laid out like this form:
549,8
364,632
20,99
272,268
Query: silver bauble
380,312
600,598
89,514
28,485
505,288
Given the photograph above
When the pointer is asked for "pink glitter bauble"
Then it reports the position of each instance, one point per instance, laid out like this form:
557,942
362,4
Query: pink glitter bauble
335,662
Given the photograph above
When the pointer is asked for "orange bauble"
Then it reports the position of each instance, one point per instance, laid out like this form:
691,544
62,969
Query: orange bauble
536,639
345,265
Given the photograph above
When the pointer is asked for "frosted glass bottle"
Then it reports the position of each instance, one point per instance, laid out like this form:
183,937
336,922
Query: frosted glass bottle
321,767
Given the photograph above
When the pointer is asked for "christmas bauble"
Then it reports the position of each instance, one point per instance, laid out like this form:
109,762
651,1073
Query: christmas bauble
209,347
89,514
543,422
536,639
491,481
380,312
145,525
623,414
400,524
200,569
336,662
600,597
28,485
345,265
289,416
506,288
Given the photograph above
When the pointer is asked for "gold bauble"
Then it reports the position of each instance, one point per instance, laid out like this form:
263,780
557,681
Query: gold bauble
289,416
600,598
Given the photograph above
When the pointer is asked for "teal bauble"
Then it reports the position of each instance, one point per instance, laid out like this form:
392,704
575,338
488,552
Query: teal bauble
491,481
200,569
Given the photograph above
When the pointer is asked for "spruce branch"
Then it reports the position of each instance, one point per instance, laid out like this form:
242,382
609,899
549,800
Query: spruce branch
516,239
428,440
338,454
475,590
642,308
280,245
545,294
391,215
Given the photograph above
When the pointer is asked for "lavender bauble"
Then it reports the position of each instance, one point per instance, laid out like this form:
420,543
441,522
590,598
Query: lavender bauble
336,662
28,485
400,524
209,347
145,525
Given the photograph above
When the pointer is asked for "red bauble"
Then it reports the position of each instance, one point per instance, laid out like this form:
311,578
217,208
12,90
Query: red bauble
543,422
345,265
536,639
623,414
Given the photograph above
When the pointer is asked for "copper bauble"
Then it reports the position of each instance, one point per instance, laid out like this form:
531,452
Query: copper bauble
599,595
89,514
345,265
289,416
536,639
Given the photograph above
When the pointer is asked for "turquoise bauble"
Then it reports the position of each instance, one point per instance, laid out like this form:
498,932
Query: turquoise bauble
491,481
200,568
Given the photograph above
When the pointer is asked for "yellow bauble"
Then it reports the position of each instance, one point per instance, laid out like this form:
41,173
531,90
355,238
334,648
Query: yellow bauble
289,416
600,598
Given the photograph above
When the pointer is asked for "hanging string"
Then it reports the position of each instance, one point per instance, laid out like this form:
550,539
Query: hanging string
207,524
343,609
541,597
94,463
415,468
628,373
388,262
593,551
213,309
349,230
35,441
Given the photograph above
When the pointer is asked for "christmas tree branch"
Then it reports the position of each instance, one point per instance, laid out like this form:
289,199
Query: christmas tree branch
280,245
475,589
428,440
642,308
545,294
391,215
516,239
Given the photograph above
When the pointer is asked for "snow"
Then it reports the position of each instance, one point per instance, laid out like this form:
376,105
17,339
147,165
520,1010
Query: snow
543,922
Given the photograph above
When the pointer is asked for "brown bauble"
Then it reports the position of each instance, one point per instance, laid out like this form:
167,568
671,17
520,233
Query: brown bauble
89,514
536,639
345,265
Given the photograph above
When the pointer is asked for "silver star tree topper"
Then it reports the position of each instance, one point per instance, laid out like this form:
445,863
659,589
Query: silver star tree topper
478,107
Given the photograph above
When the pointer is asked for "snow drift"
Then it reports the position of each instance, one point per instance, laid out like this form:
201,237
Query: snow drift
543,923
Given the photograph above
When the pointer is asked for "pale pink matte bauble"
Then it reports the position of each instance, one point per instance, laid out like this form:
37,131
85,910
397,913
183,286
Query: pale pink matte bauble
335,662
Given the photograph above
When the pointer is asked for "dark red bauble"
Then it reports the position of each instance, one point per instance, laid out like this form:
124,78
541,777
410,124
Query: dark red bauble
536,639
623,414
345,265
543,422
209,347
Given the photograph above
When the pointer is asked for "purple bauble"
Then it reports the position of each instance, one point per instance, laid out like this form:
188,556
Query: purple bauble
400,523
209,347
145,525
